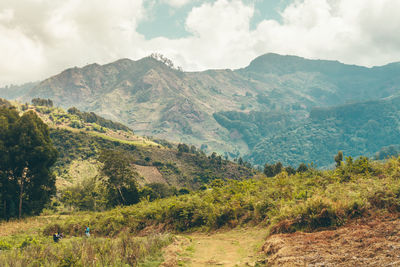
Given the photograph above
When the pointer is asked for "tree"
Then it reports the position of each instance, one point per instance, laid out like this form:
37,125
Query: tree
119,177
339,158
273,169
183,148
302,168
160,190
278,168
290,170
42,102
269,170
193,149
27,156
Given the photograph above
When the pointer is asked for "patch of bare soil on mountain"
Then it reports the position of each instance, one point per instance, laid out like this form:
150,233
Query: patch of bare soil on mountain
150,174
366,242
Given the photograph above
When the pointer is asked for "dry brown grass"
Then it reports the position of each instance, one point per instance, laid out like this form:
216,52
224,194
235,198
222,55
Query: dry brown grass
237,247
27,225
363,242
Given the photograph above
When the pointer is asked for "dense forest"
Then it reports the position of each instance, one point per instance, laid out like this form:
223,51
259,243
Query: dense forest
356,129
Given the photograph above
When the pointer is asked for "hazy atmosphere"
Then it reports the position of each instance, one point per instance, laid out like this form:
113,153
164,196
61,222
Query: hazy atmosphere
40,38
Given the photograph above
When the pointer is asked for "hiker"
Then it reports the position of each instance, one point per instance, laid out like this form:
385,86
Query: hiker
57,236
87,231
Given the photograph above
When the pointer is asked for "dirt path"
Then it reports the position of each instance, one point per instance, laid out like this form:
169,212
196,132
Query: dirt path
238,247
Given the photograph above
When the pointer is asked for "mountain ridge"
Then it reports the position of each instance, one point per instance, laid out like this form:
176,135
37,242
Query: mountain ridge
157,100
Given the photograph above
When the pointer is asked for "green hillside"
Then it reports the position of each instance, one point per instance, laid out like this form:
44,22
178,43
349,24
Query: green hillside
83,140
79,137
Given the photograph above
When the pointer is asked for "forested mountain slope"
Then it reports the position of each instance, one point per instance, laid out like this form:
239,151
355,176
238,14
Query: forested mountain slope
356,129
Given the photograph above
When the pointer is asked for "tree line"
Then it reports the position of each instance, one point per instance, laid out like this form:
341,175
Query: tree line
42,102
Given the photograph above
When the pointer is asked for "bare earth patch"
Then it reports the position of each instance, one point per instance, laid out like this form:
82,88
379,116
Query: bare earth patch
366,242
174,254
150,174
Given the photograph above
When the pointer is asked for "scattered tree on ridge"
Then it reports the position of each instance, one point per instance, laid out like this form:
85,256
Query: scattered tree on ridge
42,102
270,170
339,158
302,168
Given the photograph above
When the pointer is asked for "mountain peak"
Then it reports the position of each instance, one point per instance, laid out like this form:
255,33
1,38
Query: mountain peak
286,64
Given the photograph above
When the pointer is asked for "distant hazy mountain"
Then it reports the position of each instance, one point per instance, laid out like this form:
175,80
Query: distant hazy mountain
16,91
242,112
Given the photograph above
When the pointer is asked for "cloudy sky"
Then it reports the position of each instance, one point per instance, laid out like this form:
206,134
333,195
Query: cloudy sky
39,38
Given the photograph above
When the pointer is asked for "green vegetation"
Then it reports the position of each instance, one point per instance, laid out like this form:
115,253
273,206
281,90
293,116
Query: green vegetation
85,176
124,250
255,125
91,117
4,103
83,185
26,155
119,178
42,102
305,201
80,145
356,129
286,203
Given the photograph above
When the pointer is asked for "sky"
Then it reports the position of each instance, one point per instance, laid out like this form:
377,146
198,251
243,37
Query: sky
40,38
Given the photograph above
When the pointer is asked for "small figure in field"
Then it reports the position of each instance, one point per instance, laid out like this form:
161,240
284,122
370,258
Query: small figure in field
87,231
57,236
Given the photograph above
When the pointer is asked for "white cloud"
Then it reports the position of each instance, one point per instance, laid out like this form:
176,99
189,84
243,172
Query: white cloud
353,31
360,32
42,37
176,3
219,31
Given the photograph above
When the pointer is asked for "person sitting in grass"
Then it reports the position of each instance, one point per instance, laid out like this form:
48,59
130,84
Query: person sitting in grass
57,236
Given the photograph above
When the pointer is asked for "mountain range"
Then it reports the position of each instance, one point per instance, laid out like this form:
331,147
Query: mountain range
278,108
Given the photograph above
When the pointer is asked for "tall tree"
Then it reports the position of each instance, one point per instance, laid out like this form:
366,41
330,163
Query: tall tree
27,156
339,159
119,177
